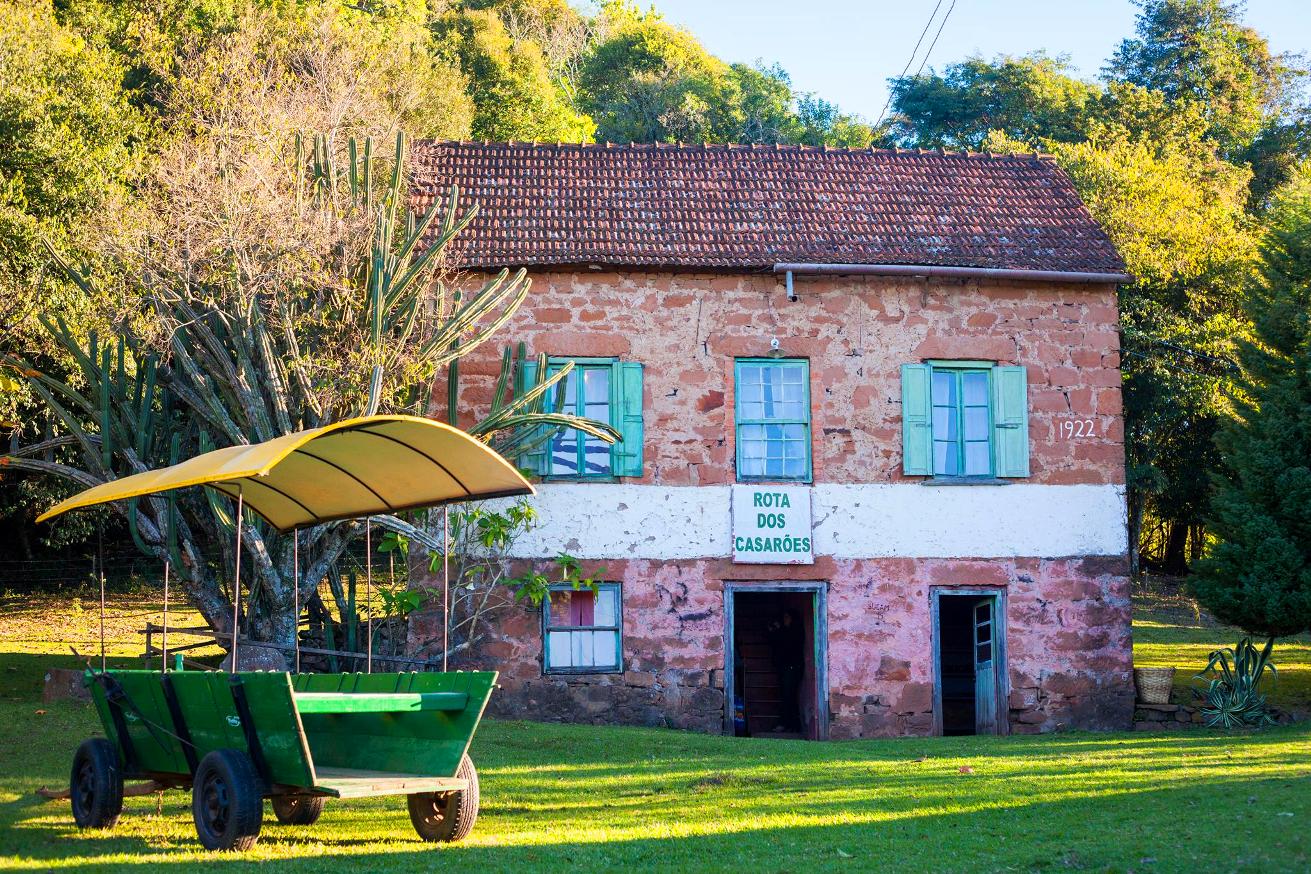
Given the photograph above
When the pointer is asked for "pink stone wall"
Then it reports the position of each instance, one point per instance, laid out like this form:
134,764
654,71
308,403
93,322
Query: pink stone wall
1068,619
857,332
1067,624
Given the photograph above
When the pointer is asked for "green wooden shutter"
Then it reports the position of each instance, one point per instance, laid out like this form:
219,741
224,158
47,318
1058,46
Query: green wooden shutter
534,460
916,420
1010,416
626,416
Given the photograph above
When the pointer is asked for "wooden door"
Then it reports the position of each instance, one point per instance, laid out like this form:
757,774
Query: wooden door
985,668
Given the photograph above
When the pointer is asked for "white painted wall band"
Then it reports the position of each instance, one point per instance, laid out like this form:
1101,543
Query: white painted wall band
901,520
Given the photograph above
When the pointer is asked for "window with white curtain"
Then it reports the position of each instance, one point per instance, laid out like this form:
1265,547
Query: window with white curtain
582,629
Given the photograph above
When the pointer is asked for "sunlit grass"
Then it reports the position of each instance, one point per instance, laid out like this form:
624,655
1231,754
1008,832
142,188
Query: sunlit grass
1170,632
593,798
621,799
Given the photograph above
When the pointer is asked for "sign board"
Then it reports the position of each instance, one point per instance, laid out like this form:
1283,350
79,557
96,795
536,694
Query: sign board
771,525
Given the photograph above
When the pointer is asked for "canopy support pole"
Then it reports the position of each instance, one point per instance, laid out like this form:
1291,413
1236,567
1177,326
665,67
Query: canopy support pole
163,664
236,582
368,594
100,560
446,581
295,594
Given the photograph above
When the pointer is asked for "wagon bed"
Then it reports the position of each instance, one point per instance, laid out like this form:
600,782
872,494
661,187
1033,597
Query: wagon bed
306,737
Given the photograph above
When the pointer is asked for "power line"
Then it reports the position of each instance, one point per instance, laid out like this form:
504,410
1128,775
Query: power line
935,37
911,59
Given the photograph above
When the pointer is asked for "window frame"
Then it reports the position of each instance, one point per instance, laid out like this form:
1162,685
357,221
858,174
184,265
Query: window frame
617,628
739,421
957,367
582,363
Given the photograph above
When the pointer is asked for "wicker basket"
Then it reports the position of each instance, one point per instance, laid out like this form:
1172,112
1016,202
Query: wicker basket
1154,684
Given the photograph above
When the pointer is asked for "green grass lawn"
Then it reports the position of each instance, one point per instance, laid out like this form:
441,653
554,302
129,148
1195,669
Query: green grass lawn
589,798
1169,631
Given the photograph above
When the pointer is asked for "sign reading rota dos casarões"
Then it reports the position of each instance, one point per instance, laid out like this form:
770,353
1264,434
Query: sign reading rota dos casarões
771,525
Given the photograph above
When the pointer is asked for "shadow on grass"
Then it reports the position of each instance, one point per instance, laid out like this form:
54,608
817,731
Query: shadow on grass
636,799
1116,831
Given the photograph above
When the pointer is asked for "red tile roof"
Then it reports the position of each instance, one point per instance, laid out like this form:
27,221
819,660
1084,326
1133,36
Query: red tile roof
750,207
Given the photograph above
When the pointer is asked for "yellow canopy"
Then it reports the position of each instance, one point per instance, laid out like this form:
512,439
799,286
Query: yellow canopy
359,467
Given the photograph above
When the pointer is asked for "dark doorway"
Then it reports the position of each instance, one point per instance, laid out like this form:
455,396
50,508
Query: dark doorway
968,658
773,658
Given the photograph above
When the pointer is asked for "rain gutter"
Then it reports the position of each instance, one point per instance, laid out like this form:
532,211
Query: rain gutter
946,272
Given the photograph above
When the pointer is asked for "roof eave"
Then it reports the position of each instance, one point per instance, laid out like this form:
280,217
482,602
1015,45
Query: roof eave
953,272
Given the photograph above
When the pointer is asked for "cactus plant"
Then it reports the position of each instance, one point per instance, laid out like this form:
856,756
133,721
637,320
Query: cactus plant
211,358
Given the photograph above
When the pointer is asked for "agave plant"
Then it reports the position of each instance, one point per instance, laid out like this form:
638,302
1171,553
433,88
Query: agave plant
1231,696
238,336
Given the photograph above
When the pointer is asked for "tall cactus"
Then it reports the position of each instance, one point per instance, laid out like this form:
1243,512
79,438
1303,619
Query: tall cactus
210,360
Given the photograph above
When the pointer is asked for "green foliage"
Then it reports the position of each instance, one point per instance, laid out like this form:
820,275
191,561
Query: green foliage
534,586
1198,53
398,600
645,80
1258,577
1029,99
1231,697
514,96
649,81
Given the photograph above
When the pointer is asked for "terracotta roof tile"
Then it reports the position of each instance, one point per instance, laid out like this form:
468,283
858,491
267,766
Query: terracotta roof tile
746,207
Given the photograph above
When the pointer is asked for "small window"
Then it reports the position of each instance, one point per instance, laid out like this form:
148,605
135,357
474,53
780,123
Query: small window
962,422
773,419
601,389
586,394
582,630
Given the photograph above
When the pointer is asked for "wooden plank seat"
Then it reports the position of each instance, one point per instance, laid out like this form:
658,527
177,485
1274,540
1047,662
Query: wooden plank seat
357,783
379,702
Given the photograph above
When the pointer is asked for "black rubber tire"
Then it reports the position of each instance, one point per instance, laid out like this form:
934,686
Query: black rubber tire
227,801
96,783
447,816
298,809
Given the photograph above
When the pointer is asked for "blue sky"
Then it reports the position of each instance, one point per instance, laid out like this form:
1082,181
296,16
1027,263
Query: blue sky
845,50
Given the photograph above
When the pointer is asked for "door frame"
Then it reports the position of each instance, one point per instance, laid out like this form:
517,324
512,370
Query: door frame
1001,665
819,602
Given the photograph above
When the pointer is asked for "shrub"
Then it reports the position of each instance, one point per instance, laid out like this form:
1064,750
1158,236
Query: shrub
1231,697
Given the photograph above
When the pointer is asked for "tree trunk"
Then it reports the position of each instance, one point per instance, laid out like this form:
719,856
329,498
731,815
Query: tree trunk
1176,550
1135,533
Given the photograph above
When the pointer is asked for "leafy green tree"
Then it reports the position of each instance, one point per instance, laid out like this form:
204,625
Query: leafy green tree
513,93
1258,577
1199,52
824,124
762,103
1028,99
649,81
70,140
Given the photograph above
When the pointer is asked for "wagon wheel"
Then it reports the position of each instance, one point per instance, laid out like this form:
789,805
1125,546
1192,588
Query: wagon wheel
447,816
298,809
96,785
227,801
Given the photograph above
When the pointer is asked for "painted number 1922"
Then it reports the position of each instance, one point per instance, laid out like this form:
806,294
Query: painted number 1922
1074,429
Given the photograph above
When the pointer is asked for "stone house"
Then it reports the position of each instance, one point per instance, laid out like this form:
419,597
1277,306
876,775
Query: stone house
872,481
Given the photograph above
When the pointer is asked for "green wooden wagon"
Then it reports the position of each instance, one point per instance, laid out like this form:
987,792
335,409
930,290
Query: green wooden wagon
235,738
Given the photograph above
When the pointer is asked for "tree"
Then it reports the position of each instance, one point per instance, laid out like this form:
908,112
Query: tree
1198,52
1258,576
70,139
824,124
513,93
1028,99
646,81
262,284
